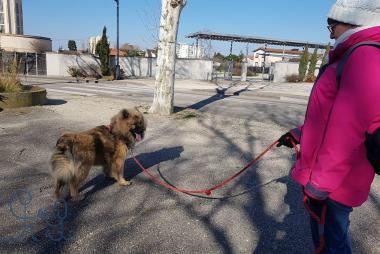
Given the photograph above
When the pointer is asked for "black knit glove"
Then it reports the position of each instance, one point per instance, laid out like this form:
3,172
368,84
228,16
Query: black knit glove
286,140
372,144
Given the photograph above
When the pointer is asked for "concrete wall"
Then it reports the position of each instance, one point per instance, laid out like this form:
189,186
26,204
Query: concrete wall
138,66
194,69
283,69
185,68
24,43
59,64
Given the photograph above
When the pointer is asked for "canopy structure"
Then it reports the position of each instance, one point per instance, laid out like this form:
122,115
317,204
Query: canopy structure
253,39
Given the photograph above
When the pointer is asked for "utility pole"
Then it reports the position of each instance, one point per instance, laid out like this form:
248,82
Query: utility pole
265,54
117,67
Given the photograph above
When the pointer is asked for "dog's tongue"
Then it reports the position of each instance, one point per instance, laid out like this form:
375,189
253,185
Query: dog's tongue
138,137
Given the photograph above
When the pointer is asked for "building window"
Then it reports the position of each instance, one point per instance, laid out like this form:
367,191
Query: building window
17,16
2,26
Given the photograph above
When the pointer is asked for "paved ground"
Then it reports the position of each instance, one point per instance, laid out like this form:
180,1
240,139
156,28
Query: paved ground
265,216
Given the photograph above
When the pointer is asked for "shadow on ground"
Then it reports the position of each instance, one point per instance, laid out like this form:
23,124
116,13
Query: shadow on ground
75,210
55,102
131,169
250,219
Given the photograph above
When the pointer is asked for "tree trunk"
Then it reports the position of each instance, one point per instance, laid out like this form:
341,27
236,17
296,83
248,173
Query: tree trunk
244,69
165,71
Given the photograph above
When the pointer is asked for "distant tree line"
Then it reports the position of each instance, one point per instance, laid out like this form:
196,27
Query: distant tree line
218,57
307,65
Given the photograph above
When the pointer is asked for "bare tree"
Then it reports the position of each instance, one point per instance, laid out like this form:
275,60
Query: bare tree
150,18
126,46
165,71
37,47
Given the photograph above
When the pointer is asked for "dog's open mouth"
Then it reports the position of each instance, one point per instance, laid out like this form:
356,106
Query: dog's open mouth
138,137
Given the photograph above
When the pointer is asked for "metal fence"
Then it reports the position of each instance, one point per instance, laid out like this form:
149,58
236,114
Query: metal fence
228,69
27,63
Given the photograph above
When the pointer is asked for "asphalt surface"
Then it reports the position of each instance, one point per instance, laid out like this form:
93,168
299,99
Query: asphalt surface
193,148
228,98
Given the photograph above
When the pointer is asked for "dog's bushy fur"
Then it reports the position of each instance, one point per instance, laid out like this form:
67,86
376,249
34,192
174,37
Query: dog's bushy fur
76,153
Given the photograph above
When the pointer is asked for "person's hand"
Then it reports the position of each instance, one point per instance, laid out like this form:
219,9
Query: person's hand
287,140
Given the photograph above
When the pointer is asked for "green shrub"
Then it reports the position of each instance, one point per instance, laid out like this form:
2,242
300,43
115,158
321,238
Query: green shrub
71,44
313,63
103,51
325,55
311,79
9,81
292,78
304,62
107,78
76,72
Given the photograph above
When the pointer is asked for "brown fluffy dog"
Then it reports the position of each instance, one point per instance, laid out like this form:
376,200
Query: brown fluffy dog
76,153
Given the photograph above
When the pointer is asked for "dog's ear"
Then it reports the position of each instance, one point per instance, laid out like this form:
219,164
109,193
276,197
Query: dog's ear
125,113
64,143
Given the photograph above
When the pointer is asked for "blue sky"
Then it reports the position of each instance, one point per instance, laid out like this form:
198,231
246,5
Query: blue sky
62,20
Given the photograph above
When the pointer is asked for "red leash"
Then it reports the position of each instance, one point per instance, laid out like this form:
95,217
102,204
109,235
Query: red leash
320,220
321,223
217,186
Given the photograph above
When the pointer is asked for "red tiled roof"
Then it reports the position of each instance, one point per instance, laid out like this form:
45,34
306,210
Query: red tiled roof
113,52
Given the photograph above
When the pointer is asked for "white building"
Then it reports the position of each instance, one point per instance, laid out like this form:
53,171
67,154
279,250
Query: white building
151,53
271,55
12,38
92,43
25,43
189,51
11,18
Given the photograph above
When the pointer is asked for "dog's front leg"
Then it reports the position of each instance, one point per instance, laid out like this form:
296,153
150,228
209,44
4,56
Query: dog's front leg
117,173
74,191
117,167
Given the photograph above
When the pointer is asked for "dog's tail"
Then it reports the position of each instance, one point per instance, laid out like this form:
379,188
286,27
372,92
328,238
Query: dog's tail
62,163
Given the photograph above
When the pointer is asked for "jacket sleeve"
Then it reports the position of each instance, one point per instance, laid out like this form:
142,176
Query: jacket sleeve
356,110
296,133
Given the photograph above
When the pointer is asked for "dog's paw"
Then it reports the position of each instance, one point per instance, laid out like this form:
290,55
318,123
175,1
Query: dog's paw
124,182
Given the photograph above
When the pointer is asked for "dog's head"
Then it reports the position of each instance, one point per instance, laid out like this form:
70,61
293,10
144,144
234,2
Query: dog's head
129,125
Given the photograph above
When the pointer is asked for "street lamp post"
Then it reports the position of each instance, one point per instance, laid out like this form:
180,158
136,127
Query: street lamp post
117,67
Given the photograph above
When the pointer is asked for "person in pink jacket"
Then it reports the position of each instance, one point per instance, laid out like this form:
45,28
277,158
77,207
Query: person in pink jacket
340,137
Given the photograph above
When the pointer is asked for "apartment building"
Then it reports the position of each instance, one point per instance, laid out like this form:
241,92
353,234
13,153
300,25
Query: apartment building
11,17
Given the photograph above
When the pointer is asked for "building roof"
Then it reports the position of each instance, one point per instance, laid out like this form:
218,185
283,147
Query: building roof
280,51
113,52
25,36
253,39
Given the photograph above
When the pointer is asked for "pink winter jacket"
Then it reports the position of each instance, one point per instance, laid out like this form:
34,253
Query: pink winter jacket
333,160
